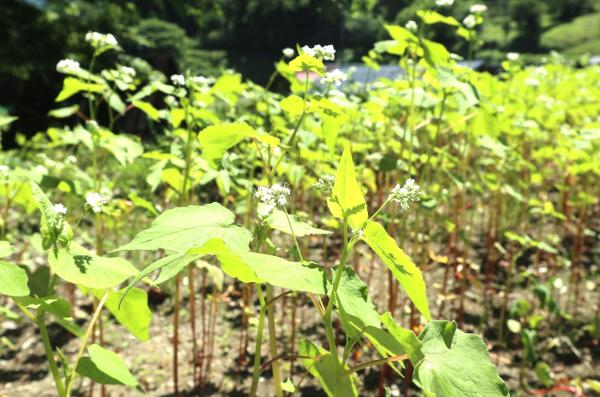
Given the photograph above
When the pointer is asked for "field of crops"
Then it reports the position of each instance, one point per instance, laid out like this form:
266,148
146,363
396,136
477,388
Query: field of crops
437,234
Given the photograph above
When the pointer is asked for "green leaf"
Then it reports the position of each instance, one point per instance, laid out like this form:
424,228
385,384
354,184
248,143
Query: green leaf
306,63
216,140
105,367
323,366
293,105
278,221
180,229
455,364
147,108
130,311
6,249
65,112
405,337
124,148
430,17
14,280
356,309
78,265
435,53
347,198
72,86
58,307
54,229
141,202
401,266
250,267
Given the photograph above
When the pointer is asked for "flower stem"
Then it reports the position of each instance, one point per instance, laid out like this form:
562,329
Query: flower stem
60,387
258,344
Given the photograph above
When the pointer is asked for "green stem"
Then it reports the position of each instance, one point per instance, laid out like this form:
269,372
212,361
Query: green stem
258,344
293,235
275,365
40,320
298,124
84,341
338,277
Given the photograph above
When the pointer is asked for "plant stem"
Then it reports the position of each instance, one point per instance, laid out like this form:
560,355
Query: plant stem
338,277
60,387
84,340
375,362
258,344
275,365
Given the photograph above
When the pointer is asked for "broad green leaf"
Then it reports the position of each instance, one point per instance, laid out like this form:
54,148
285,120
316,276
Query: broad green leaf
346,197
435,53
132,311
180,229
357,311
430,17
401,266
6,249
147,108
78,265
405,337
65,112
14,280
455,364
306,63
216,140
322,365
72,86
278,221
105,367
251,267
293,105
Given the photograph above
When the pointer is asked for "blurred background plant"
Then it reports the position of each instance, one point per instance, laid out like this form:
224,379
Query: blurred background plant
207,36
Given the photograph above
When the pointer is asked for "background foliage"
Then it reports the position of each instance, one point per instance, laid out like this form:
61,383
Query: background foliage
205,36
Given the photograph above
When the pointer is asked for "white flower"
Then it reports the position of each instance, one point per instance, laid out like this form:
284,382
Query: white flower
405,194
270,198
99,40
4,170
478,9
288,52
335,77
178,79
530,81
411,26
95,201
325,184
201,80
513,56
470,21
444,3
323,53
126,70
67,66
60,209
40,169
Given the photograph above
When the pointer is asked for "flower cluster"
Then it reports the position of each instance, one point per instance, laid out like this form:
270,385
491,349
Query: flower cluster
470,21
325,184
532,82
323,53
411,26
444,3
60,209
4,170
178,79
513,56
95,201
405,194
270,198
288,52
201,80
478,9
67,66
99,40
335,77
